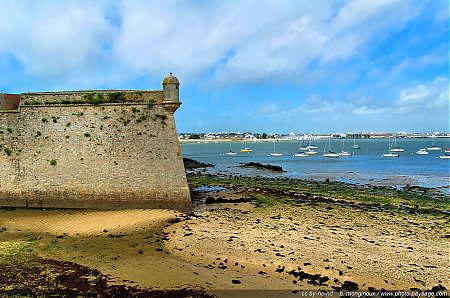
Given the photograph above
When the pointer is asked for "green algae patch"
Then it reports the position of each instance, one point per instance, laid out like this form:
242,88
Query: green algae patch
14,252
422,200
24,274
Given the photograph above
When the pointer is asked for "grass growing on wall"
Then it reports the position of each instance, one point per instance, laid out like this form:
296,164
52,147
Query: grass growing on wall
150,103
7,151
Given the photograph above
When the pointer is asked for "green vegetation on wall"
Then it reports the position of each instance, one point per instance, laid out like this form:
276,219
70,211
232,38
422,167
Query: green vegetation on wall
7,151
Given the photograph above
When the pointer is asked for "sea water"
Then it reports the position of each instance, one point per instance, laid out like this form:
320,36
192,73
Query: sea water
365,166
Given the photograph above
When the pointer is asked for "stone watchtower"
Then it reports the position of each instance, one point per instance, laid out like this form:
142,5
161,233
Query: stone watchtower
171,93
96,149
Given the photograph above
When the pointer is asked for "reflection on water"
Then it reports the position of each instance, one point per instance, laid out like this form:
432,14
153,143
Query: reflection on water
365,166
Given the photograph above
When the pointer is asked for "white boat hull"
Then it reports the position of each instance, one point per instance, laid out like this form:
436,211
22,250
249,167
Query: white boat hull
311,152
331,155
301,155
276,154
422,152
344,154
391,155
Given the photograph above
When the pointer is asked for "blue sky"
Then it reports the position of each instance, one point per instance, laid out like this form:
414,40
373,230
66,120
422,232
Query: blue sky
263,66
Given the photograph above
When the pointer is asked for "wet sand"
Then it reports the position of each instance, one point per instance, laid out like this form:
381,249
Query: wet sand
314,245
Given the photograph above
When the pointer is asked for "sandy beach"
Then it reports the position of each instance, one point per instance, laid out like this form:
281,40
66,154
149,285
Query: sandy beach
307,243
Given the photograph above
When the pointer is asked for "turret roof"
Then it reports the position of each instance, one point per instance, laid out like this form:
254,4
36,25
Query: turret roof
170,79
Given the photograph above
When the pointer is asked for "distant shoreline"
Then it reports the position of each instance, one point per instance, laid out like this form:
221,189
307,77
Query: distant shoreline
226,140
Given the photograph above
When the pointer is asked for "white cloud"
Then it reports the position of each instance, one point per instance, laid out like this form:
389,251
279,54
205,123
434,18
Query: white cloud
51,39
249,41
429,95
422,106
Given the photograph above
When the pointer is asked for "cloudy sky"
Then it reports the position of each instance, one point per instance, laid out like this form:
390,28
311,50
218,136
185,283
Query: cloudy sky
262,66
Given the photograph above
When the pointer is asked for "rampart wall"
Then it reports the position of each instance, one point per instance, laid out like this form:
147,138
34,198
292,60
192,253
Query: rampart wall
70,97
82,155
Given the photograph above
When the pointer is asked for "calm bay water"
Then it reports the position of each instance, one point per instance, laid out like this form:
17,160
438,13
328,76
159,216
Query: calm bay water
366,166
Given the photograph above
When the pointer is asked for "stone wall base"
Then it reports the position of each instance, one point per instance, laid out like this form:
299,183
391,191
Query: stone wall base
180,204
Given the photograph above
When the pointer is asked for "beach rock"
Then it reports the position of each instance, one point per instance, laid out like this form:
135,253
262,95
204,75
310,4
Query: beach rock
264,166
350,286
279,269
438,288
190,164
174,220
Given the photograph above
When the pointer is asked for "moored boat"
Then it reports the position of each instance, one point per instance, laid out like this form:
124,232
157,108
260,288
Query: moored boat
390,152
434,148
246,149
395,148
329,153
422,151
391,155
311,152
354,144
231,153
343,152
301,154
275,154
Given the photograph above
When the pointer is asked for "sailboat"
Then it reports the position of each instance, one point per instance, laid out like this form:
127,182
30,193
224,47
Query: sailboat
447,148
395,148
343,152
274,152
301,154
312,146
354,144
246,149
433,146
390,154
231,152
330,153
302,146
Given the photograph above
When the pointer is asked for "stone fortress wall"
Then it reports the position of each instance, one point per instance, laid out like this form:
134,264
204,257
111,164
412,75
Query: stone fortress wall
93,149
